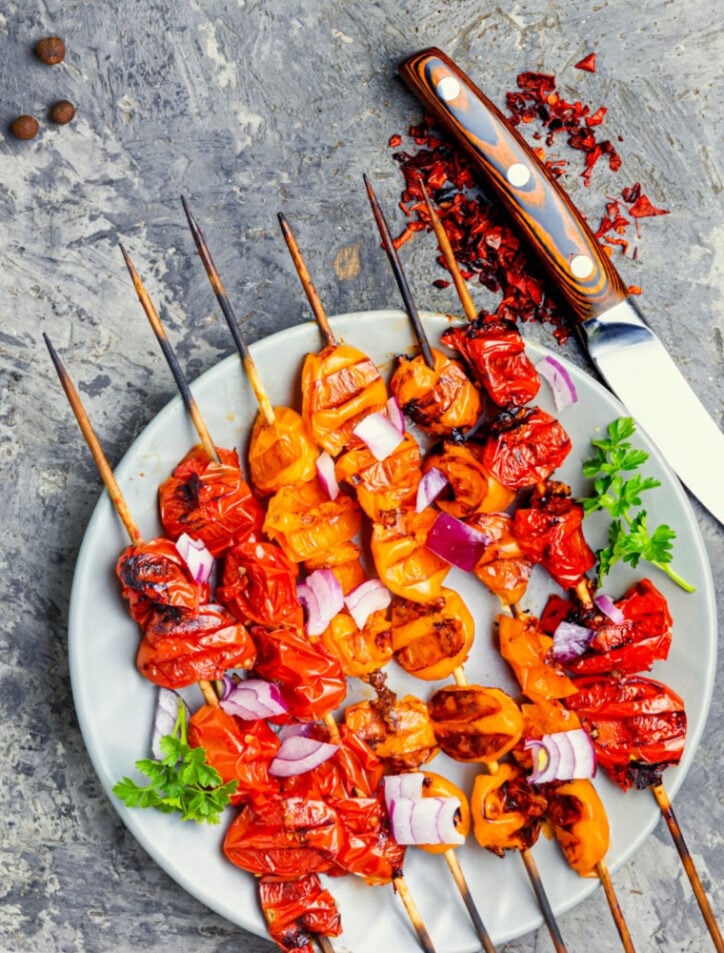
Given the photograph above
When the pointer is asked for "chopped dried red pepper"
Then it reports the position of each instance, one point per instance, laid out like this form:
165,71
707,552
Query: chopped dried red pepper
588,63
642,208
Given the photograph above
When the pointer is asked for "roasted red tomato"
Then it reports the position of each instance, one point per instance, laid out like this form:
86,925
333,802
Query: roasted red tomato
525,447
297,911
154,577
259,583
240,751
638,726
178,651
286,837
369,849
495,353
633,645
353,770
210,501
549,531
311,680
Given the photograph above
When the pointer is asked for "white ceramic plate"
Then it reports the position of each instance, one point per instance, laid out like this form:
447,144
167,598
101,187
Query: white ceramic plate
115,704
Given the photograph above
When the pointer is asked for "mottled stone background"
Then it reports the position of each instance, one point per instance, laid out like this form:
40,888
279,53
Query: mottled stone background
251,107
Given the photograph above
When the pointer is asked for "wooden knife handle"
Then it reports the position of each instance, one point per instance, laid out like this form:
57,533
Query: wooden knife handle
538,206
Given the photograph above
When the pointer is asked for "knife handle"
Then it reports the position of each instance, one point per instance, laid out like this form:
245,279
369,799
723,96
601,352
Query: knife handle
538,206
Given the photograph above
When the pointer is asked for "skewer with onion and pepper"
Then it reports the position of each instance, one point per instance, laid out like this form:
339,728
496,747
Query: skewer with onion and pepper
412,726
408,748
185,639
259,581
638,724
341,390
548,529
193,655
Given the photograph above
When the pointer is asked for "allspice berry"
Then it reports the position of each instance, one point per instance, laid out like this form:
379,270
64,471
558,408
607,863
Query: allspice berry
24,127
50,50
62,112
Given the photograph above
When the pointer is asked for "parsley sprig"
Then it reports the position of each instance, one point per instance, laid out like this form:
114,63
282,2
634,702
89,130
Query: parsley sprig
629,537
180,782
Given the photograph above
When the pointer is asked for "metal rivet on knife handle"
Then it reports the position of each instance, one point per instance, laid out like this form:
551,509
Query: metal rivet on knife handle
534,202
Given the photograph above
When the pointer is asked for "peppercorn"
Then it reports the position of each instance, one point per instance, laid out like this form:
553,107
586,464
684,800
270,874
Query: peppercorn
62,112
50,50
24,127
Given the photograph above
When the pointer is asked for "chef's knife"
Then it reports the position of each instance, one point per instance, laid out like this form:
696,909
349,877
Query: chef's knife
629,356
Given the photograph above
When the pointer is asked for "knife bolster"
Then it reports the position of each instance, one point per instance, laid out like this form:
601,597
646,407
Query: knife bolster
619,326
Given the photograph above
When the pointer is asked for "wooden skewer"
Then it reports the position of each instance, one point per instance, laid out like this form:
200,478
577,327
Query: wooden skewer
104,468
543,902
158,329
101,462
459,877
399,274
662,799
250,368
443,241
618,917
324,944
315,302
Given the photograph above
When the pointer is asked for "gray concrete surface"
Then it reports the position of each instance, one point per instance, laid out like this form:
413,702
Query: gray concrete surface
251,107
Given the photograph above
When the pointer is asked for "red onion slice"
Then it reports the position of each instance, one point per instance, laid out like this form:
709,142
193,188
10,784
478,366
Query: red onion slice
326,475
431,485
609,608
299,754
403,786
425,820
322,597
570,641
196,556
562,756
394,412
368,597
254,698
164,719
456,542
564,390
379,434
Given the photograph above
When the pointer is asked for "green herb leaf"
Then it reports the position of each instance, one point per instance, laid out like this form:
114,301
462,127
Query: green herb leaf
181,782
629,538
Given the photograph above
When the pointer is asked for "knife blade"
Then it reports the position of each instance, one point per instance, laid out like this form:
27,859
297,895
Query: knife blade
627,353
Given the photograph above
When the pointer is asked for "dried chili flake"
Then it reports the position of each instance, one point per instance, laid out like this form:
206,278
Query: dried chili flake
588,63
486,248
539,101
642,208
395,141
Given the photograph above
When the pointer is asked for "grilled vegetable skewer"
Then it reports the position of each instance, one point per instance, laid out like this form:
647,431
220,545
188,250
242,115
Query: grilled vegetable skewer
107,475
